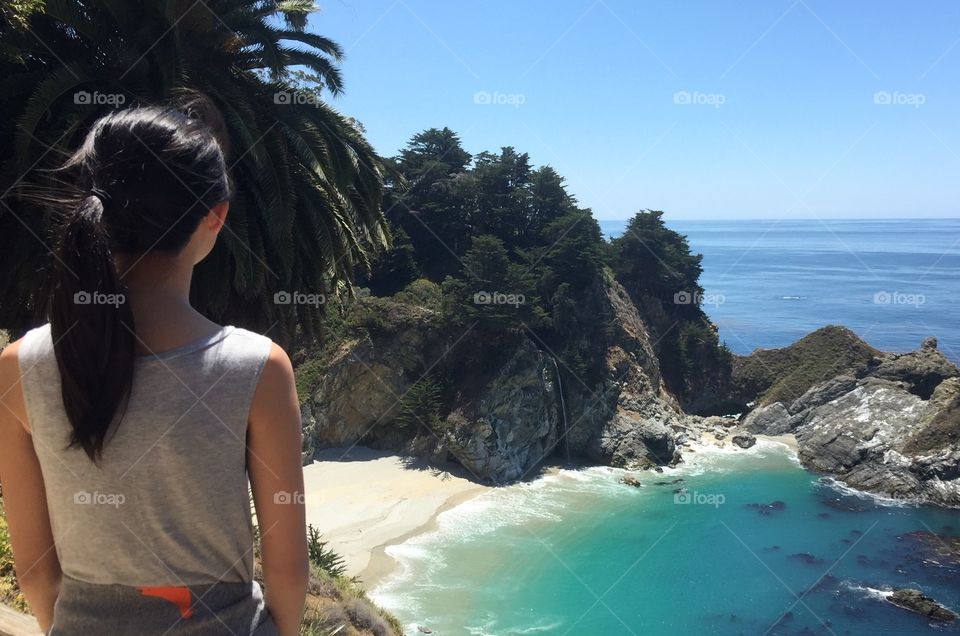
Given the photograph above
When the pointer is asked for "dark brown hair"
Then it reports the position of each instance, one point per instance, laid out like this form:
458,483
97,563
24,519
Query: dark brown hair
147,177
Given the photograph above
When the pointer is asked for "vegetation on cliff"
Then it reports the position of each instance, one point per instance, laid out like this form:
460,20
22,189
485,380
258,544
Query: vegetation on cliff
782,375
498,251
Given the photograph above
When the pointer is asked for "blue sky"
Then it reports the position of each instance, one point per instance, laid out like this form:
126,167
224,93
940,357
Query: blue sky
754,109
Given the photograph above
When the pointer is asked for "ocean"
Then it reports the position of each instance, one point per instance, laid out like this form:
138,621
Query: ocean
731,542
768,283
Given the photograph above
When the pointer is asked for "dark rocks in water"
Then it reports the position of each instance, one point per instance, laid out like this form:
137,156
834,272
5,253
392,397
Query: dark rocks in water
767,509
942,546
806,558
629,480
744,440
917,601
847,504
826,582
668,483
785,618
824,515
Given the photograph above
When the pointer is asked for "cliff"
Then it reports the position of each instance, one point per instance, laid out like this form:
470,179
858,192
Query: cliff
502,418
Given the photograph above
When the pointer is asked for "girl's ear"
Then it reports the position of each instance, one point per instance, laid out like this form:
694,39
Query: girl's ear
217,216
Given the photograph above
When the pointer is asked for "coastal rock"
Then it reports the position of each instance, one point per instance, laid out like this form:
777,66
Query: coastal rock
921,371
358,392
772,419
916,601
634,442
508,417
887,432
744,440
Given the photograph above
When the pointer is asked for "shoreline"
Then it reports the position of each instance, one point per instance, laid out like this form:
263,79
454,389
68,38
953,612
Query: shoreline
381,565
362,501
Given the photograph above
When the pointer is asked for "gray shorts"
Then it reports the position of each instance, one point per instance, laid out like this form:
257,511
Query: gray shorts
228,609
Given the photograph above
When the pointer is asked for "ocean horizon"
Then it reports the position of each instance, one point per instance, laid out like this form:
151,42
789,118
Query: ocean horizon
767,283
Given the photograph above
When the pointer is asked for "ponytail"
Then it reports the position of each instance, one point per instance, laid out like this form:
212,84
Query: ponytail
148,176
92,327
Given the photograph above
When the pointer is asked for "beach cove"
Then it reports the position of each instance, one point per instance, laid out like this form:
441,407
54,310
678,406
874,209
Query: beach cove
765,546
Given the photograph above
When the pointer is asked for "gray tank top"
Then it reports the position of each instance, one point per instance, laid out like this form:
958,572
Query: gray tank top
168,504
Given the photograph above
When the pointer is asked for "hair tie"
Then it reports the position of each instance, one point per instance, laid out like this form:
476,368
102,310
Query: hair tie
100,194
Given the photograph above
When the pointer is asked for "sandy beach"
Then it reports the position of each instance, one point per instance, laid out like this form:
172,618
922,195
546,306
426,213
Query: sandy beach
362,500
709,439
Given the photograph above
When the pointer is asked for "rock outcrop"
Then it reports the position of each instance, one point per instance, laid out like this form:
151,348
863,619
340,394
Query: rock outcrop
917,601
895,430
626,420
513,424
767,376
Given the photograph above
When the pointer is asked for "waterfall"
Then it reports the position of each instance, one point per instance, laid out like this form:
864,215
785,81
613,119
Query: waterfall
563,409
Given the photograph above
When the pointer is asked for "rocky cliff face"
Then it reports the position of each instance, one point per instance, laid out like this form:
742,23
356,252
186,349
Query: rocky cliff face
513,418
511,425
894,430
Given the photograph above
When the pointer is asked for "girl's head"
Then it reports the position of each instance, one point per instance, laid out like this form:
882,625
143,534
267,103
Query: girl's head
152,182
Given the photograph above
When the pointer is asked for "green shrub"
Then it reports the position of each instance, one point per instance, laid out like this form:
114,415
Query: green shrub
420,406
324,557
422,293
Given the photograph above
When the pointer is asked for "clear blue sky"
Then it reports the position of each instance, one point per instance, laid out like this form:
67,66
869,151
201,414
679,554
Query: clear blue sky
783,119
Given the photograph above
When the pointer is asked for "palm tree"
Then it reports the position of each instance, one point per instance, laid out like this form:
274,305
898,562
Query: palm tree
307,208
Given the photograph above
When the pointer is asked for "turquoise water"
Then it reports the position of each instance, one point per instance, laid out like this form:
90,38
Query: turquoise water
775,281
578,553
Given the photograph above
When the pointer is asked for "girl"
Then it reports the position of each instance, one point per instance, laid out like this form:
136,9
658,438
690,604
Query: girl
131,422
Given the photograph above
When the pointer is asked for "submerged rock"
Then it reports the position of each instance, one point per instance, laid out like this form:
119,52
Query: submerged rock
767,509
916,601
